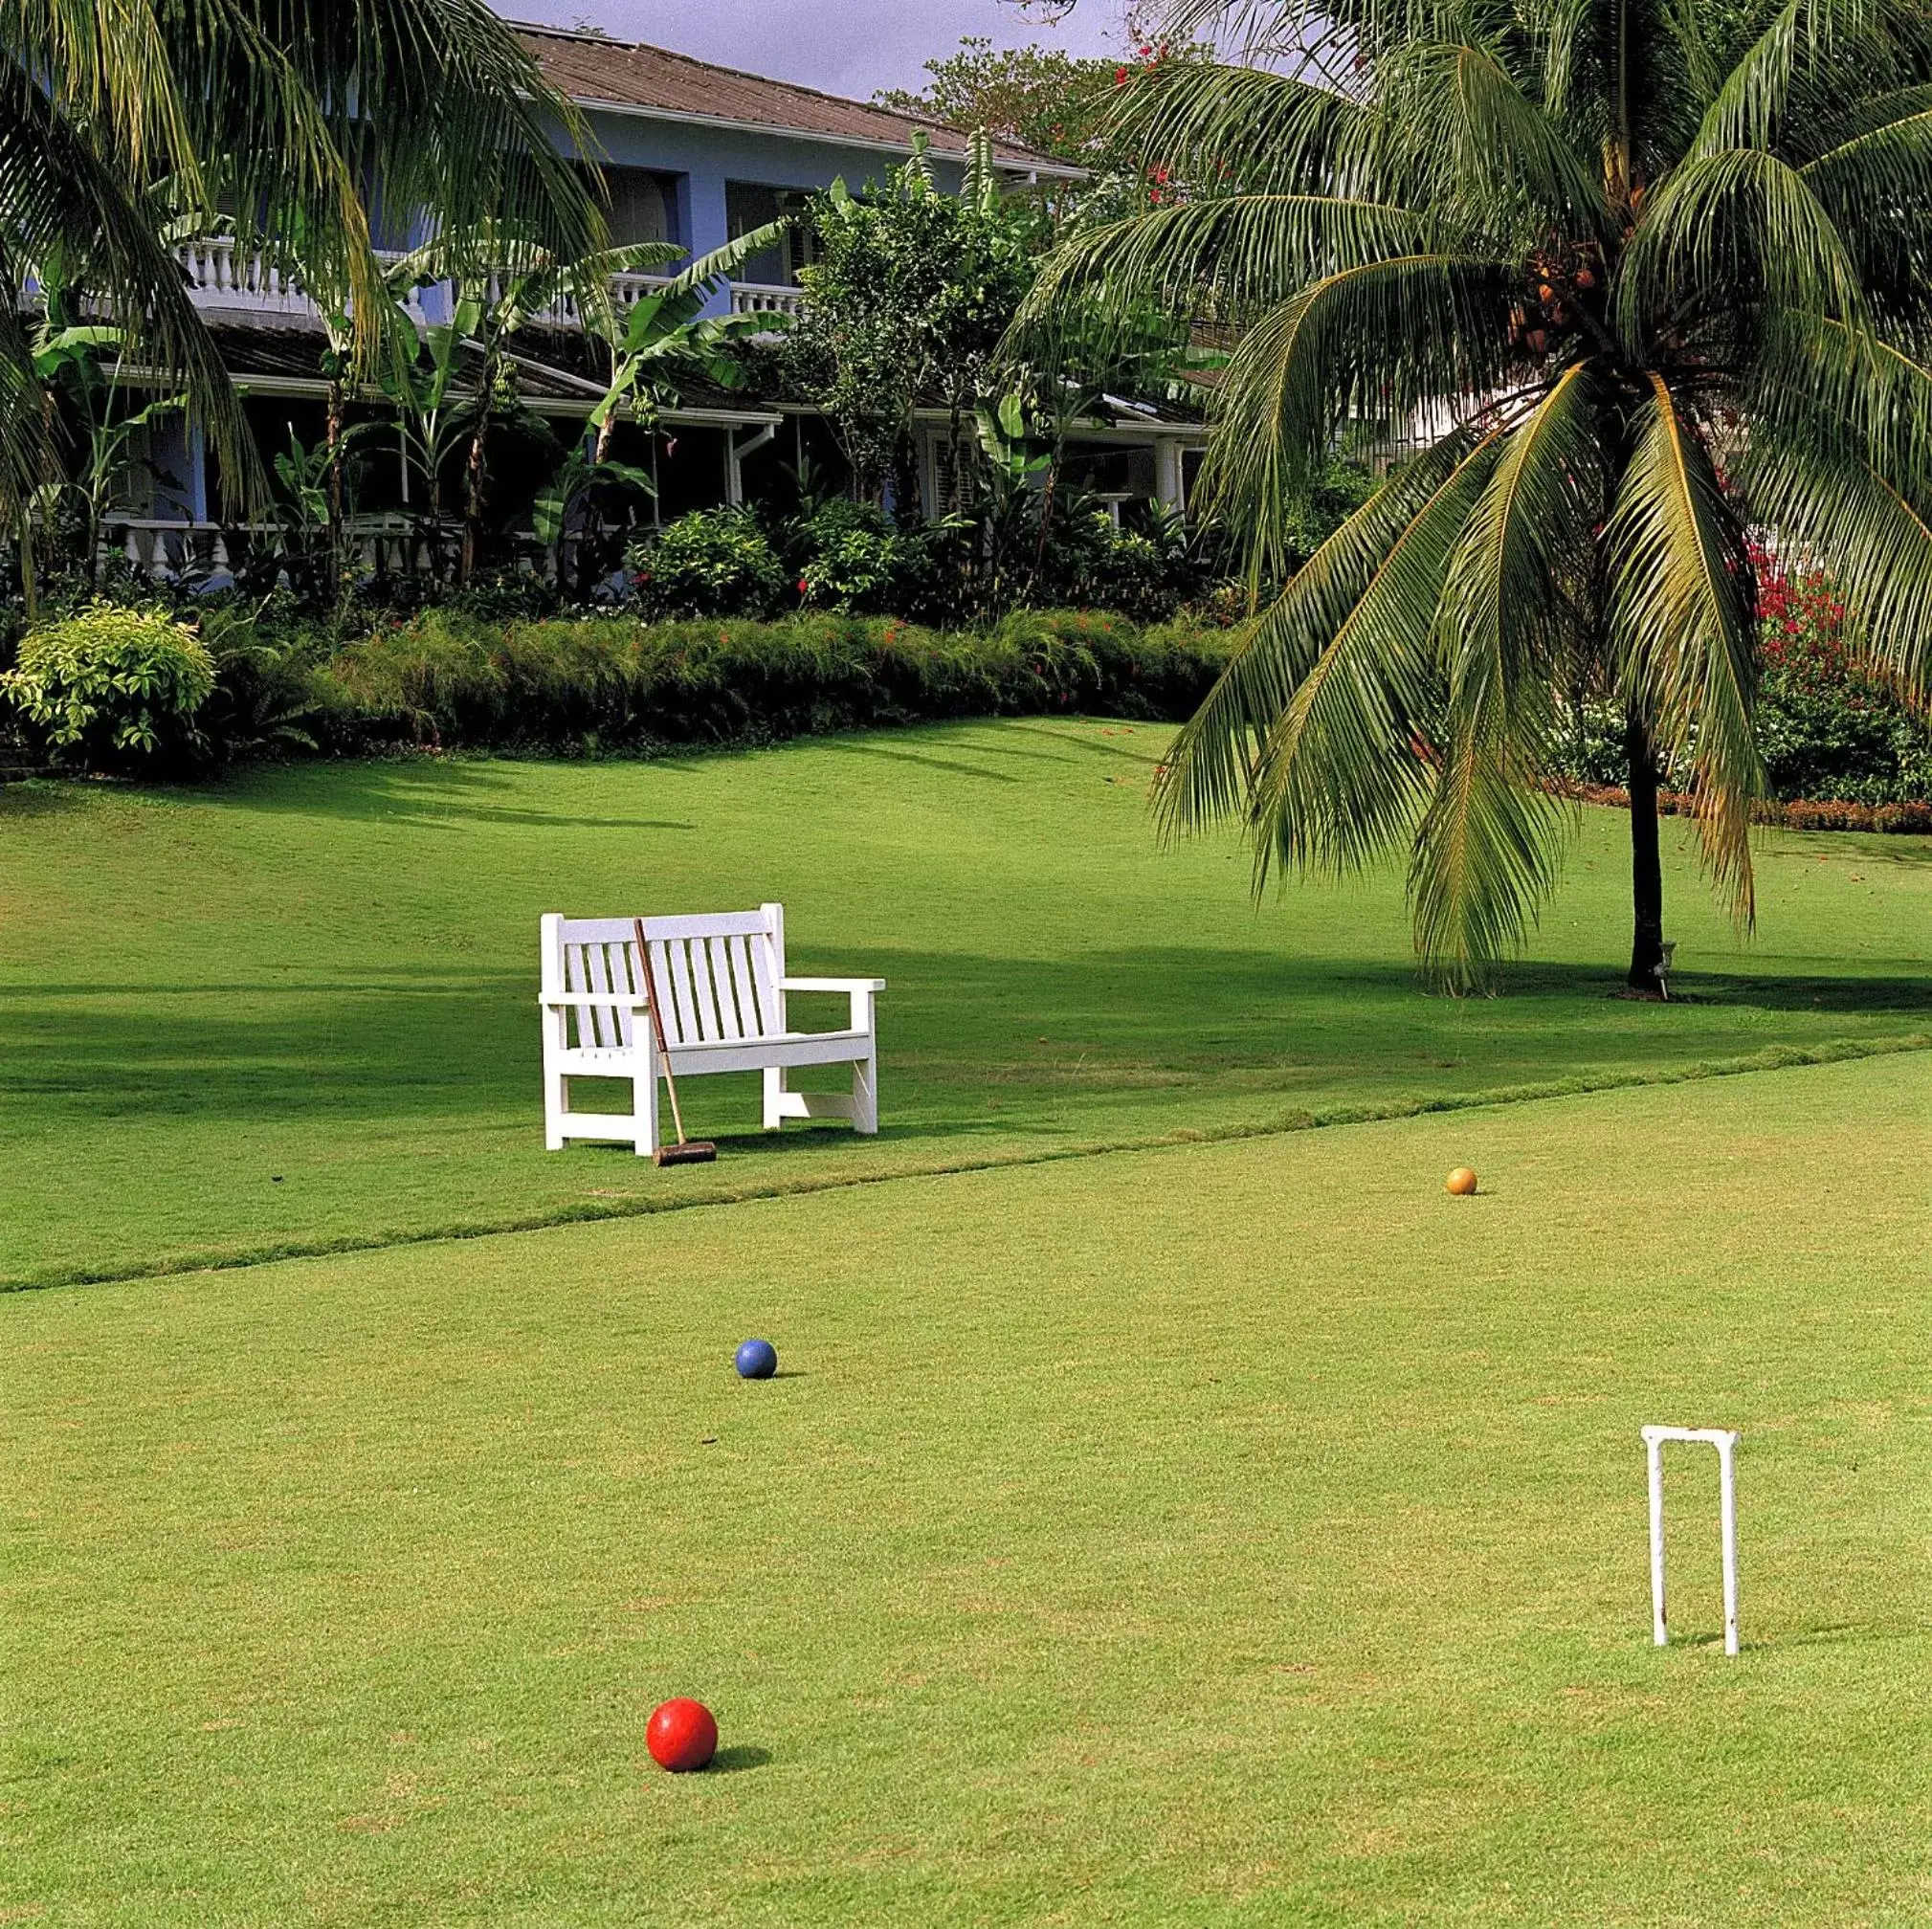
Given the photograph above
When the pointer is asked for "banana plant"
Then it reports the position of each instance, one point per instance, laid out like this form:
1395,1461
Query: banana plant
79,363
505,282
665,340
662,343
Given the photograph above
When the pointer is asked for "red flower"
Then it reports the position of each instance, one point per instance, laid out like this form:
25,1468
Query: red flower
1120,76
804,588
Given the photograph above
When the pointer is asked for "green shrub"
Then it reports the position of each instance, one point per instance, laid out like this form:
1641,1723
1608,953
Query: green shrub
712,562
610,683
857,562
111,687
1828,732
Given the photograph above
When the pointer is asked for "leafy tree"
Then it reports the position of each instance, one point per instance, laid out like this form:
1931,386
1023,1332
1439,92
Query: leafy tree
658,345
78,366
504,282
910,297
1051,102
1645,274
1040,98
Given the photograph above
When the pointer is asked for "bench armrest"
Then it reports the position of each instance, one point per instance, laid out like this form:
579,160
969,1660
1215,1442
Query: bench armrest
860,991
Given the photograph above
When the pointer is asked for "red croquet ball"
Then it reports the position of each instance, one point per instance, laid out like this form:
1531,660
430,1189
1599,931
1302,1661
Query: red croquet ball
682,1736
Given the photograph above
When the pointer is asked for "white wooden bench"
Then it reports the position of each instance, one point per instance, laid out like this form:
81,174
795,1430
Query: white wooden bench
721,980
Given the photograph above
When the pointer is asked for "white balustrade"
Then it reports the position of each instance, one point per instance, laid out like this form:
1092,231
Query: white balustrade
220,274
759,298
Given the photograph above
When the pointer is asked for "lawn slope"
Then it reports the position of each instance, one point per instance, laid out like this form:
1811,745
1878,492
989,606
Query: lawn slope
298,1008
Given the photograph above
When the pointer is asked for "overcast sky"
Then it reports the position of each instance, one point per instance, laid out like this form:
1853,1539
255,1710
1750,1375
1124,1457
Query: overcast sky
844,46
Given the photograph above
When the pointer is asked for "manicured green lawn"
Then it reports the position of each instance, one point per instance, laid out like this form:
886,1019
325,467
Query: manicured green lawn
298,1009
1231,1534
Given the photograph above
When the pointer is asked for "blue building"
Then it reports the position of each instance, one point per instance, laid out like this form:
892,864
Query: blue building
694,154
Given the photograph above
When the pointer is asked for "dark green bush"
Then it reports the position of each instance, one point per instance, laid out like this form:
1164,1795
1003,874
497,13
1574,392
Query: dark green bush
853,560
1828,731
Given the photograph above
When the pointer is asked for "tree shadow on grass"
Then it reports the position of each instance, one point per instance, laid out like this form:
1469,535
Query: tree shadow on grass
426,793
958,1031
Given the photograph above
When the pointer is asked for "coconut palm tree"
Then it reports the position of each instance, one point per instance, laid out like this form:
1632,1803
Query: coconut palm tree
1638,276
119,117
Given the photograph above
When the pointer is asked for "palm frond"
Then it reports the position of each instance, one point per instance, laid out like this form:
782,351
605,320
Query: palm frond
1371,559
1374,343
1246,129
1846,390
1487,854
1681,631
60,199
1225,255
1803,42
1489,153
1834,508
1737,221
1346,769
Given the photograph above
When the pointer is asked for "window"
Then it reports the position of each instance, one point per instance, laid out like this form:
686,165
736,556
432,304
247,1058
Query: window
643,206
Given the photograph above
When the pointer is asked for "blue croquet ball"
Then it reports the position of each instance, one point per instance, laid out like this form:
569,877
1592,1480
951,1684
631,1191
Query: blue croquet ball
757,1360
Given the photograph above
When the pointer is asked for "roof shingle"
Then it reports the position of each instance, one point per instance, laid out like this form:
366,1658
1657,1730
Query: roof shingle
594,71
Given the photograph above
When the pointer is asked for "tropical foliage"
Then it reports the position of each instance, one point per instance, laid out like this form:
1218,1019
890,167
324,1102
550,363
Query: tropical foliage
127,124
1638,277
1051,102
912,292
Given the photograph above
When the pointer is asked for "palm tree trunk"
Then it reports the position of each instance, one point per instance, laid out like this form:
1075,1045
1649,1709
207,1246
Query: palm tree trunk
1647,871
473,483
30,579
334,435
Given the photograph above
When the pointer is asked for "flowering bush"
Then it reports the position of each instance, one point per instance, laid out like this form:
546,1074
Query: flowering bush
1829,733
111,686
1825,728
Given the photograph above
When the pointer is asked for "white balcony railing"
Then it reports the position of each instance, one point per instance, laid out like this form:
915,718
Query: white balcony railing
756,298
220,274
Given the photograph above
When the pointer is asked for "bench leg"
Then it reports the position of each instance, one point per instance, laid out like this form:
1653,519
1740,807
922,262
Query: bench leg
644,1109
556,1109
774,1097
865,1095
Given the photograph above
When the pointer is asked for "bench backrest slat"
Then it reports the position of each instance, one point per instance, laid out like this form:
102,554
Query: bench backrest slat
742,986
717,975
718,953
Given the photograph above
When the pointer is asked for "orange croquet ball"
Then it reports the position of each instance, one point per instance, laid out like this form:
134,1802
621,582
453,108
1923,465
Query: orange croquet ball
1462,1182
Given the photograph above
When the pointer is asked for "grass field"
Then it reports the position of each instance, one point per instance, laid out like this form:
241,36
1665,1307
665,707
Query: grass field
1227,1528
1232,1533
297,1011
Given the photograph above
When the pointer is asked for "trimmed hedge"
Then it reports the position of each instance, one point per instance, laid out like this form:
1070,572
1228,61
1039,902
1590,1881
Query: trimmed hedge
600,684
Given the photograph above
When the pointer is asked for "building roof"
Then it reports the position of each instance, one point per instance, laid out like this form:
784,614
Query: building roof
596,72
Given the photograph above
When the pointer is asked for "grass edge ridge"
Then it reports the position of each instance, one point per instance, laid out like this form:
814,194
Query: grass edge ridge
1773,1058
